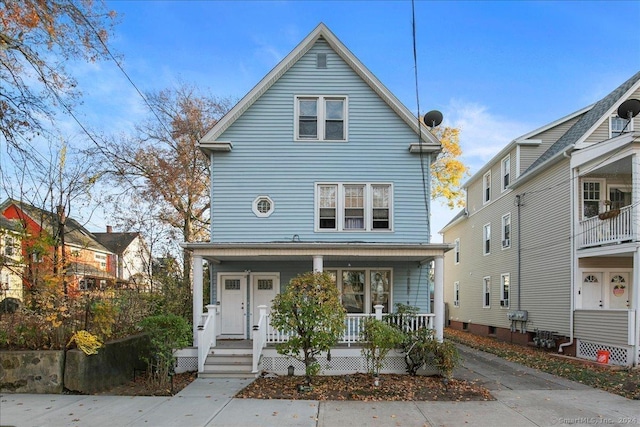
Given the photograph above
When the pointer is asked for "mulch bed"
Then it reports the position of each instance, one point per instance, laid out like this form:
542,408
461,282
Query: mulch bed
392,387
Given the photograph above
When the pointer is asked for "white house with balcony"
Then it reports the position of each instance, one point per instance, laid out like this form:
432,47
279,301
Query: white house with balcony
319,167
548,248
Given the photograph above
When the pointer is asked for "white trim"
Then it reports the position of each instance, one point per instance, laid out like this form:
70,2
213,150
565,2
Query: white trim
256,211
504,303
456,294
505,242
486,237
486,289
456,251
504,172
629,127
485,187
603,191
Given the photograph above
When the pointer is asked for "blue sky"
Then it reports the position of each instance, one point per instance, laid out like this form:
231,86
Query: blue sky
495,69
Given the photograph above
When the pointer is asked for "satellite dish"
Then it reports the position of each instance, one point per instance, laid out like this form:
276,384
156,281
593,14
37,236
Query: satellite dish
629,109
433,118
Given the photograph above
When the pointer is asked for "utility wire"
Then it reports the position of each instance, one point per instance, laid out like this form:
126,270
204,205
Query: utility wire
422,168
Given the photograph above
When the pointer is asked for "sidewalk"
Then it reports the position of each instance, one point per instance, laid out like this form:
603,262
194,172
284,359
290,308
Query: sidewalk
524,397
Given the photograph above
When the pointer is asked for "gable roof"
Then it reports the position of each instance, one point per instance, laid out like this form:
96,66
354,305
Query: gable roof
116,242
321,31
75,233
588,122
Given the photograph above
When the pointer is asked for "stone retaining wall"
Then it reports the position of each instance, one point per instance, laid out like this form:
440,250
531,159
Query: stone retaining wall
42,371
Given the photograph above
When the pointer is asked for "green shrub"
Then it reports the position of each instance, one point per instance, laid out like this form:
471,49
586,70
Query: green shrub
378,339
166,334
311,311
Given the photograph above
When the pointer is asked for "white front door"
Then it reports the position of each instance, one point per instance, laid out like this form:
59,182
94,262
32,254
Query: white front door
265,287
619,290
233,294
591,290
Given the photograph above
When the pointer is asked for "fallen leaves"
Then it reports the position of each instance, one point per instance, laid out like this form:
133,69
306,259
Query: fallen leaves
393,387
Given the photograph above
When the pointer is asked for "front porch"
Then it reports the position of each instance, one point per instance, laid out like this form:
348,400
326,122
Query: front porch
371,278
249,357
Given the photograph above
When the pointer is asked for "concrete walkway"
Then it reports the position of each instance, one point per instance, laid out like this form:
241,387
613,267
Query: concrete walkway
524,397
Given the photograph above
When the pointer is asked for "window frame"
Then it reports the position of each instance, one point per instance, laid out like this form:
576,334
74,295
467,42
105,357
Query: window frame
341,207
456,294
486,239
505,172
367,292
255,206
505,285
602,191
9,249
615,117
486,187
506,240
486,292
321,117
456,251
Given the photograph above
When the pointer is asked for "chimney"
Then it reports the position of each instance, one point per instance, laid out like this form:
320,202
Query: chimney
109,229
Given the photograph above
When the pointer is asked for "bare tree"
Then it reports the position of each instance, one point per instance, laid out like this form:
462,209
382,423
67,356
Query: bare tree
37,39
162,164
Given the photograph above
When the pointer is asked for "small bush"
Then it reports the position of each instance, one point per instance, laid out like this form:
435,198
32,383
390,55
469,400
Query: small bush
379,338
166,334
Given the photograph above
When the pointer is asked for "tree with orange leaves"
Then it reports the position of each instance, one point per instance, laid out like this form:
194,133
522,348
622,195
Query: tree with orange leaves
37,38
448,170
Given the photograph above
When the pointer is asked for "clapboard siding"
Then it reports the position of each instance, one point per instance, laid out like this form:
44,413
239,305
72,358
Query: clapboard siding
530,153
603,132
266,160
545,286
602,326
546,249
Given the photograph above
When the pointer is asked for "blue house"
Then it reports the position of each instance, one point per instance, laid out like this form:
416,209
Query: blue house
319,167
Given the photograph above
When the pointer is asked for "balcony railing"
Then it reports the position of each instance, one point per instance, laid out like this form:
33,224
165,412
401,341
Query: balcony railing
616,229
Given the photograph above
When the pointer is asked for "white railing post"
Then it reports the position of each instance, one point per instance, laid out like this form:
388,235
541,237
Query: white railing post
259,337
206,335
378,308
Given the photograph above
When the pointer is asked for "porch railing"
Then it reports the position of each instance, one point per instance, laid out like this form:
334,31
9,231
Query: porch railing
259,336
595,231
206,335
354,324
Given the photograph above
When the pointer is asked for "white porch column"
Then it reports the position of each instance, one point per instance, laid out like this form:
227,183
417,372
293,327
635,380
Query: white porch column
318,264
197,271
635,305
438,297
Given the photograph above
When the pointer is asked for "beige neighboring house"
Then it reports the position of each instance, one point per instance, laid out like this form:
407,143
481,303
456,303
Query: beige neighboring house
131,259
11,263
548,249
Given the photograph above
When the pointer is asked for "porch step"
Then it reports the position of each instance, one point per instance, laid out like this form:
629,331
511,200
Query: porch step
235,363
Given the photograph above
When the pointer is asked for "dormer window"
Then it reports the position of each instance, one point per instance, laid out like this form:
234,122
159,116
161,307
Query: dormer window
321,118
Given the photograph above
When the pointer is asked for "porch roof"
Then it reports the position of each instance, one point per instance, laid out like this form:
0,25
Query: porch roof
271,251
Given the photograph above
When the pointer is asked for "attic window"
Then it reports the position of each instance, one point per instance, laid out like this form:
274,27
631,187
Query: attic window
263,206
321,60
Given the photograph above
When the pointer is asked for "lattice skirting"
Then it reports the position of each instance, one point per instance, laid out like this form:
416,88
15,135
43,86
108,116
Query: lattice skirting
339,365
186,360
622,356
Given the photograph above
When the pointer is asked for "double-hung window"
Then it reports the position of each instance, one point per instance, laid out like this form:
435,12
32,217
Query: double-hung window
618,124
8,246
321,118
363,288
353,207
504,289
456,294
506,172
486,187
506,231
486,239
591,198
486,292
456,251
